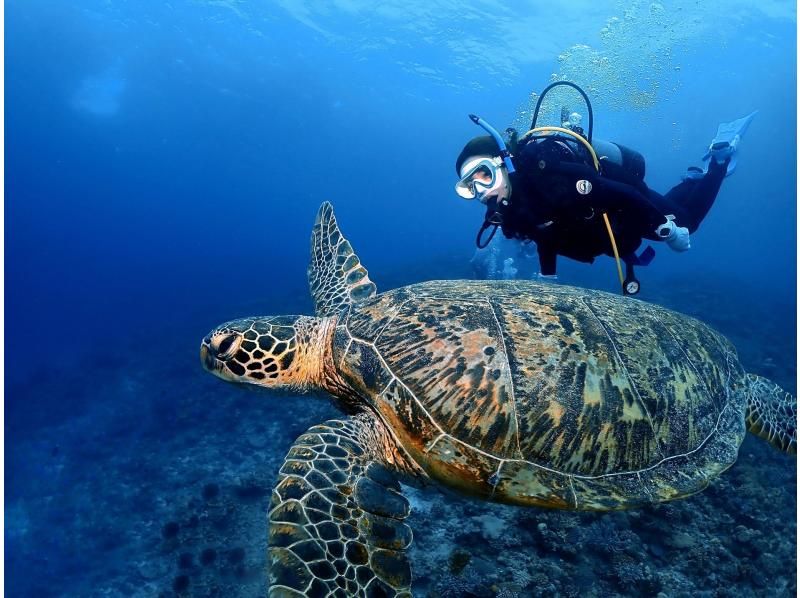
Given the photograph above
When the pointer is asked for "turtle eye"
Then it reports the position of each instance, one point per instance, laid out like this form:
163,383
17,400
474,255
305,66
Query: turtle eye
227,346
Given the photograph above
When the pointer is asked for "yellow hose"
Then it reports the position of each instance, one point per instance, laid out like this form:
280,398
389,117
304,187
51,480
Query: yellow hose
614,247
577,137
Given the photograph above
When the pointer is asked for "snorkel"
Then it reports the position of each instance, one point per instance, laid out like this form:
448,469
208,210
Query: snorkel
504,153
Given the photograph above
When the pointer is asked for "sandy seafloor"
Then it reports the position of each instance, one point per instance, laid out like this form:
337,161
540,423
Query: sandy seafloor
162,480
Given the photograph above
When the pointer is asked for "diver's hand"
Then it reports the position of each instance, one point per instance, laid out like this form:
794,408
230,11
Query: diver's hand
677,237
681,242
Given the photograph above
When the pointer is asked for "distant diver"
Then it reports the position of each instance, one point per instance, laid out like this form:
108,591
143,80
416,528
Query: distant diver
582,197
505,259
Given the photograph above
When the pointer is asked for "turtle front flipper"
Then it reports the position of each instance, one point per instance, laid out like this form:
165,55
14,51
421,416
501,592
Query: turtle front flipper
336,519
771,413
335,274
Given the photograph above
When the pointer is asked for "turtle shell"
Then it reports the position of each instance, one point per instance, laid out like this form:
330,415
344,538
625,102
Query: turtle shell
548,395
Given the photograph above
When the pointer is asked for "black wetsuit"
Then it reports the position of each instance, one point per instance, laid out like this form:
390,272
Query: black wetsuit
547,207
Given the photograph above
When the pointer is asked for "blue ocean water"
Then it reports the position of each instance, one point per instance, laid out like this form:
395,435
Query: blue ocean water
164,164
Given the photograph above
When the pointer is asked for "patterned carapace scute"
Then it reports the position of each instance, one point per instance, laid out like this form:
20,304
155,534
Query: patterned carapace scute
336,521
335,274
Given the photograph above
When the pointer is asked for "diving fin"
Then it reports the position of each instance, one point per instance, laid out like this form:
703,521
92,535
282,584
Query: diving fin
725,143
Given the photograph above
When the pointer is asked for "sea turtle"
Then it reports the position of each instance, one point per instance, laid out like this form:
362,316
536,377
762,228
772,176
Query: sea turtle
511,391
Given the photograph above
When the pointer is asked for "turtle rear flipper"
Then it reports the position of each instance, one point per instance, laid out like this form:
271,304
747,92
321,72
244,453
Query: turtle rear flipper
336,276
771,413
336,518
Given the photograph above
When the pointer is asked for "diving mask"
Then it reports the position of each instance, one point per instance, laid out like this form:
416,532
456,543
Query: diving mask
481,176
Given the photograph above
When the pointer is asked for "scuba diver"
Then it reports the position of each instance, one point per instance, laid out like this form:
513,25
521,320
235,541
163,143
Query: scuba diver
580,197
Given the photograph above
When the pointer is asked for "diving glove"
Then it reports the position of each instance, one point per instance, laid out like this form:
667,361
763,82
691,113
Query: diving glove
677,237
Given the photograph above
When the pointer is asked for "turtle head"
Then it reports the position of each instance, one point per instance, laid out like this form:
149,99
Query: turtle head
281,352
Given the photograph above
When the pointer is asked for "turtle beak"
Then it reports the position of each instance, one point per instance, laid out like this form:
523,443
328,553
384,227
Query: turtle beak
209,357
211,361
206,358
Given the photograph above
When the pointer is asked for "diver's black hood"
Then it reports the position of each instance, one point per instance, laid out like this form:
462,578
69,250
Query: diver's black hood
485,145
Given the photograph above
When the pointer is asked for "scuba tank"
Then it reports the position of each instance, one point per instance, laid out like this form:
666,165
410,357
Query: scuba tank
621,163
